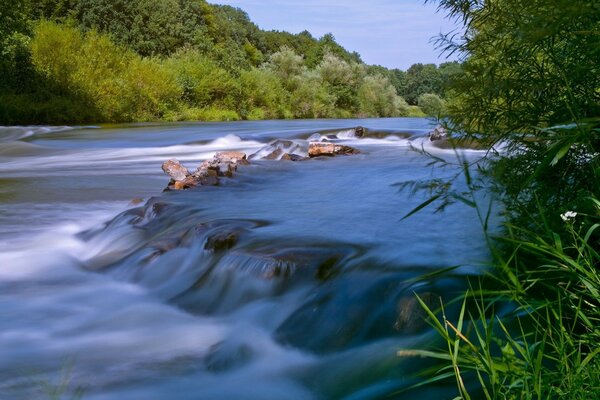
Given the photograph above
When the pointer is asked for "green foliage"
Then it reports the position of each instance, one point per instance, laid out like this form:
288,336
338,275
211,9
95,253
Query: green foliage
342,79
204,83
116,60
432,105
119,84
377,97
287,66
530,82
531,64
420,79
311,99
149,27
262,90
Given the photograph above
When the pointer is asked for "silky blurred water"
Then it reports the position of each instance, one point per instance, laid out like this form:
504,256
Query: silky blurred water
109,286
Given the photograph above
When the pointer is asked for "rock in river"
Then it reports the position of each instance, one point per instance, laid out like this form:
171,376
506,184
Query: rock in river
208,173
439,133
175,170
316,149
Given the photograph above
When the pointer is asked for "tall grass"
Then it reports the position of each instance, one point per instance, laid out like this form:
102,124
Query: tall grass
532,331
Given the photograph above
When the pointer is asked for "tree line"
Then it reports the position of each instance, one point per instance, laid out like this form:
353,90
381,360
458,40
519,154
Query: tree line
75,61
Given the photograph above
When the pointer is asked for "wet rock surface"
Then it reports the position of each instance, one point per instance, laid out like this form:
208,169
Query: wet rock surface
281,149
175,170
438,133
317,149
223,164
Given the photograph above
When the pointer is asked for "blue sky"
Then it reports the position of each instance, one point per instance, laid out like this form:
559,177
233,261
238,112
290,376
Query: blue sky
392,33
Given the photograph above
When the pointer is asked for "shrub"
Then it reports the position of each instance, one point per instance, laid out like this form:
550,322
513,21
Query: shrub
432,105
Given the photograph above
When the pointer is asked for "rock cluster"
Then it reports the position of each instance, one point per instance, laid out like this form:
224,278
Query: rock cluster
223,164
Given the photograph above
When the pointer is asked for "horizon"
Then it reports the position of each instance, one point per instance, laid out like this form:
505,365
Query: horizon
393,34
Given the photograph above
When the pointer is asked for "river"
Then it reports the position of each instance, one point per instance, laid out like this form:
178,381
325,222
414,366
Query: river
109,287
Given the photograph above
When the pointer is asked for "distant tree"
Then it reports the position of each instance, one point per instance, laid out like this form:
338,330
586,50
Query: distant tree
261,89
420,79
432,105
342,79
15,67
311,99
287,65
378,98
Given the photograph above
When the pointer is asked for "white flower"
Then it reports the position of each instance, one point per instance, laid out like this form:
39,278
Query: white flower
568,215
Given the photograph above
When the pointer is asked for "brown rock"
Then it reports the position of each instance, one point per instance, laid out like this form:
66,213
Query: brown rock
236,157
175,170
177,185
439,133
292,157
221,241
226,169
274,155
316,149
206,177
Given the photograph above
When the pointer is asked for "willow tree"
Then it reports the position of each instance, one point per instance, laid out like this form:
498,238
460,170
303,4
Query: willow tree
529,63
531,79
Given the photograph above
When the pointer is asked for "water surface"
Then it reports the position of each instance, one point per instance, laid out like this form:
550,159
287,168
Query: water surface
132,300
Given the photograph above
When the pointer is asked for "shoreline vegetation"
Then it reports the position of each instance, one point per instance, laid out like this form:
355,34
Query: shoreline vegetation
531,81
111,61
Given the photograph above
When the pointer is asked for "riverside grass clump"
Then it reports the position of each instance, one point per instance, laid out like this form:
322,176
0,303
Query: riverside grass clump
528,327
532,330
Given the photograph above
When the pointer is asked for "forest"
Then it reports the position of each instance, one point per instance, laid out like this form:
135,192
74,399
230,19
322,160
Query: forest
78,61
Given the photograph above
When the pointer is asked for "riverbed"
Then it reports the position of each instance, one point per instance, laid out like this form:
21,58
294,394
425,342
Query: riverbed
113,289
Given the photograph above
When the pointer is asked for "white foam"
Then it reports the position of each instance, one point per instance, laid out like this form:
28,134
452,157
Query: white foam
108,159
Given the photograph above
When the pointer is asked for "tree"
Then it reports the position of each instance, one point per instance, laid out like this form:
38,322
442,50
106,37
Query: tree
342,79
530,64
287,65
420,79
378,98
432,105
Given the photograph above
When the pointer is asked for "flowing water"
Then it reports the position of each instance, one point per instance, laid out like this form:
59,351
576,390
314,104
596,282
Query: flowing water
291,280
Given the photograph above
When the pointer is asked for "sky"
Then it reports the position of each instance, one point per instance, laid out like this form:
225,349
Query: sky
392,33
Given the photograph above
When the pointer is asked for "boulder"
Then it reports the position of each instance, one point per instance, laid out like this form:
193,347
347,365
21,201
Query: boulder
235,157
274,155
175,170
221,241
316,149
207,177
439,133
292,157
